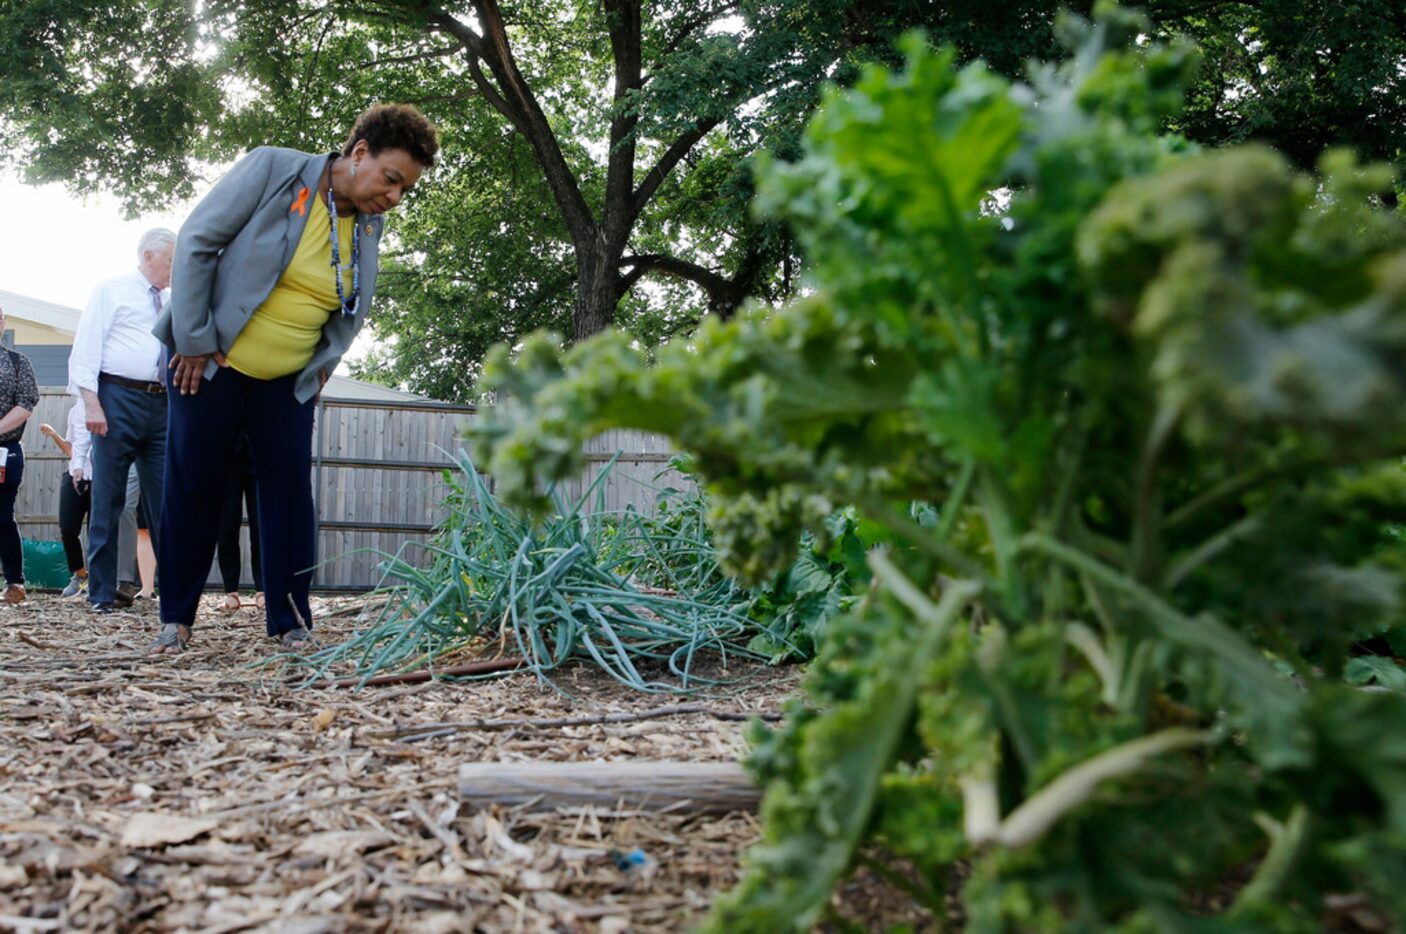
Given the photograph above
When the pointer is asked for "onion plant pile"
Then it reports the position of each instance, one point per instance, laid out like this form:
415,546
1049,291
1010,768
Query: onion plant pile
1157,398
641,600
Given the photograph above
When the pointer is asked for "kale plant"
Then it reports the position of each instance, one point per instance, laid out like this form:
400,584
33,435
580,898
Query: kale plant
792,606
1158,398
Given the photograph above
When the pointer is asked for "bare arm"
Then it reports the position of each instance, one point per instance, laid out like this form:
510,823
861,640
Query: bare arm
48,431
13,419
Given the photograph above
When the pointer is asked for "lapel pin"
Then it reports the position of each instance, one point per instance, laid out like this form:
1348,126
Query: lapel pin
369,230
301,205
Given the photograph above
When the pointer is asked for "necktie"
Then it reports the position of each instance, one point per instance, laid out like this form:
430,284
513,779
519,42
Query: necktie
161,359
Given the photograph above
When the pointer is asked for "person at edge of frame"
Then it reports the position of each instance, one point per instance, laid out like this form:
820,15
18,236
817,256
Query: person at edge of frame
19,394
75,495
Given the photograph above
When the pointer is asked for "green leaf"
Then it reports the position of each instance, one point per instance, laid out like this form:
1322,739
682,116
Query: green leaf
810,574
1374,669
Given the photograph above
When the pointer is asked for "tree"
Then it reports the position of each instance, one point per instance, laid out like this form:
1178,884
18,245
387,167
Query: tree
1301,75
588,146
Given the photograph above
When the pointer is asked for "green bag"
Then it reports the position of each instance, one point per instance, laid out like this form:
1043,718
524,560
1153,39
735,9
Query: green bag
45,565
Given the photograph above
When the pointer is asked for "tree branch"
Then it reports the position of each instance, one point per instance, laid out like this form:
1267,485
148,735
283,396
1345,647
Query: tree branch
423,102
490,94
618,215
643,263
509,94
762,250
472,43
627,282
688,29
419,56
672,156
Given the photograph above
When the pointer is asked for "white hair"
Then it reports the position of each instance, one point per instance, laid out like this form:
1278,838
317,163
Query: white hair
154,239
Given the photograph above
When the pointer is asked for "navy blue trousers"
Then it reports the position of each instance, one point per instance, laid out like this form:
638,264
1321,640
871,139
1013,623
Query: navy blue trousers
200,453
136,432
11,549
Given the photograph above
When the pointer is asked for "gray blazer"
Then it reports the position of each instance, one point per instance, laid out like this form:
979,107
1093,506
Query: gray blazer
234,247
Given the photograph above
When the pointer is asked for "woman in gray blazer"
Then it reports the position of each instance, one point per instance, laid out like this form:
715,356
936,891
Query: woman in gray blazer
273,276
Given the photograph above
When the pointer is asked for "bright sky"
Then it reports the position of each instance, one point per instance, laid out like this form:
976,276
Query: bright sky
56,246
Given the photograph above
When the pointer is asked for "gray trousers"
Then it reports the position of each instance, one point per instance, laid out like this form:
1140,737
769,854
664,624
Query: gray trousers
127,532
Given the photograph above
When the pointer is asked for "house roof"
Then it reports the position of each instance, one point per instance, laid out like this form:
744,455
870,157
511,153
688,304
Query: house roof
50,314
344,387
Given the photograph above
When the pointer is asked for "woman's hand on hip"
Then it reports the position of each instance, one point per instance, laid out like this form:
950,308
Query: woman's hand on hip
190,370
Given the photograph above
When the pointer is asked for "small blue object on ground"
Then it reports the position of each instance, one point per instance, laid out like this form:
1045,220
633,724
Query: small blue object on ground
629,861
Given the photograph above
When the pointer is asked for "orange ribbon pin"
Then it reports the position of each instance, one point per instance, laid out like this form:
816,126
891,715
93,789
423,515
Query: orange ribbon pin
301,205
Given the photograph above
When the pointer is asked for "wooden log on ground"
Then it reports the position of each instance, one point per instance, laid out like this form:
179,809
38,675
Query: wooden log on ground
686,787
482,667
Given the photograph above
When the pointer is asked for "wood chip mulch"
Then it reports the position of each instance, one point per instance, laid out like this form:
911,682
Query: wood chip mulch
202,793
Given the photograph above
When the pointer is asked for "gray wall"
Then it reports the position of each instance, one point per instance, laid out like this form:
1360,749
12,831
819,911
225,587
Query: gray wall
50,364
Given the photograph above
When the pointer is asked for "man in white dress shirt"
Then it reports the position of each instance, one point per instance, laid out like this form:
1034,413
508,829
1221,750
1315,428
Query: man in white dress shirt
115,369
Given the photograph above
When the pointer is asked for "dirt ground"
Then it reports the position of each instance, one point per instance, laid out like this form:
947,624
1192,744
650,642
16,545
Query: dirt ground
198,793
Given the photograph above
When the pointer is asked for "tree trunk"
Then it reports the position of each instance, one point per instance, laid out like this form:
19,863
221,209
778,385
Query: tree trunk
596,291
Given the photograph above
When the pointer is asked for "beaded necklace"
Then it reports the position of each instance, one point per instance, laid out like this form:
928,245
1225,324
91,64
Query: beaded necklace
348,303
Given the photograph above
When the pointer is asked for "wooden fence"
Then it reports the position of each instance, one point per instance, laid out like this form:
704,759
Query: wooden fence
378,479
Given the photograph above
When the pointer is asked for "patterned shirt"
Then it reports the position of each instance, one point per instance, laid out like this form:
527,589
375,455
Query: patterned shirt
18,387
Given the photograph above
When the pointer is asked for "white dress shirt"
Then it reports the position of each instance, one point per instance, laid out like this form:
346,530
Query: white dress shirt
81,441
114,335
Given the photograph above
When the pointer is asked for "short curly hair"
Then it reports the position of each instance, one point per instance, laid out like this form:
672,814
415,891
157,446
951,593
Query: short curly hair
395,126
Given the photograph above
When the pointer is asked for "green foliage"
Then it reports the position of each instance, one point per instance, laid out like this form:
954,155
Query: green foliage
141,97
1154,395
568,589
793,606
84,86
797,604
1303,76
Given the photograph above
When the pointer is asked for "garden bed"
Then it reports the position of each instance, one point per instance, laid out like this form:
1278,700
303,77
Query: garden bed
201,794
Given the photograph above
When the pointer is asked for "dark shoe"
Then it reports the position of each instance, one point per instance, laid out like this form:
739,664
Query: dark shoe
102,609
14,594
298,640
126,593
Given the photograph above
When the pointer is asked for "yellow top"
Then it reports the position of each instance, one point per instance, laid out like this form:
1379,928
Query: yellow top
283,332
